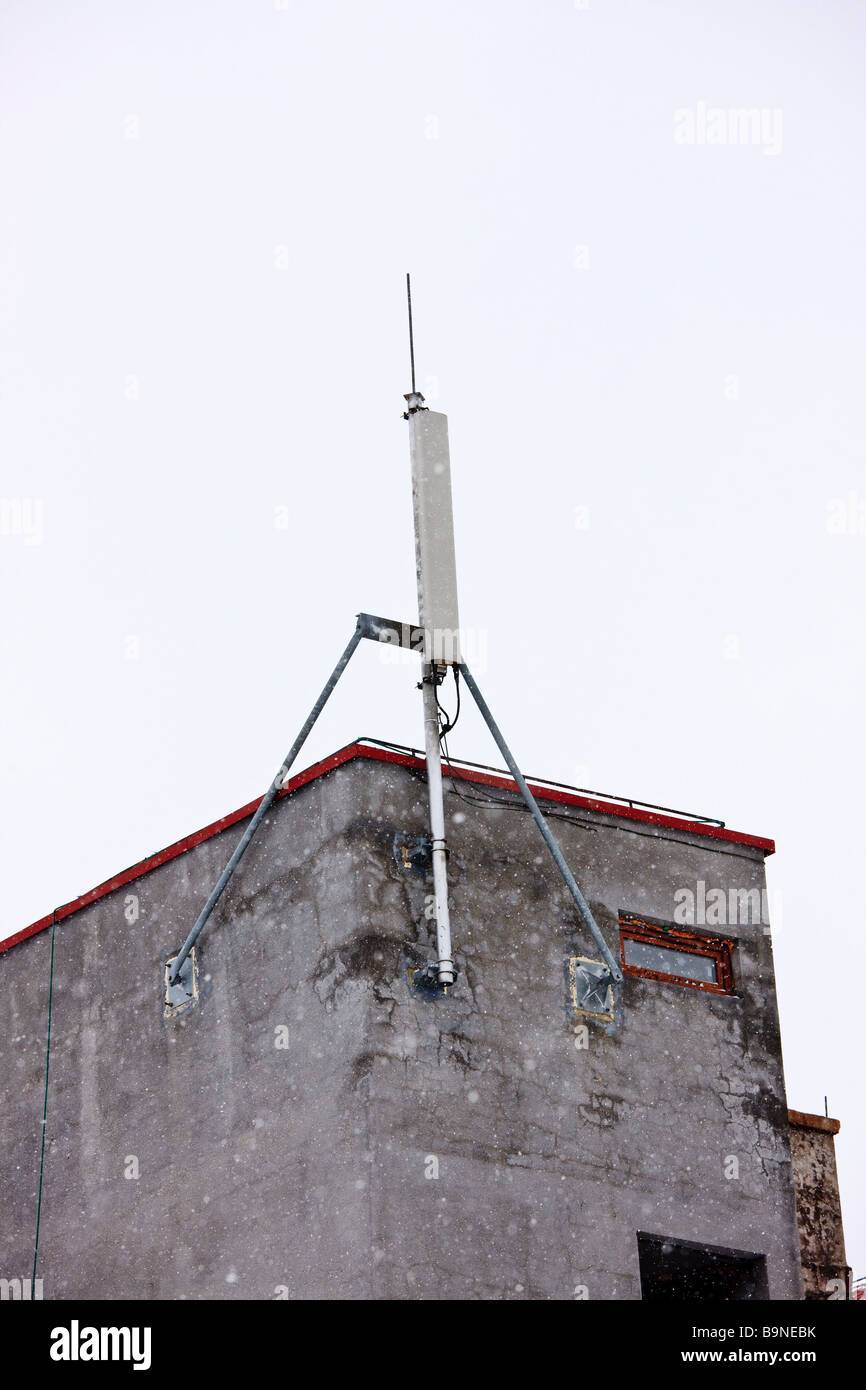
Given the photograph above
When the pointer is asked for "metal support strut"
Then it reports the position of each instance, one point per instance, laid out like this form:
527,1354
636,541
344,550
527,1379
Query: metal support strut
265,804
558,859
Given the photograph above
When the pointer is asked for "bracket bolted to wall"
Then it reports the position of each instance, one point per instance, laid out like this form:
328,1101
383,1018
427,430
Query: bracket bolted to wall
413,854
591,989
425,979
181,995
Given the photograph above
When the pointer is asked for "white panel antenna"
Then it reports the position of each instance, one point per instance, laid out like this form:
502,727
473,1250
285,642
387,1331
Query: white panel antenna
434,532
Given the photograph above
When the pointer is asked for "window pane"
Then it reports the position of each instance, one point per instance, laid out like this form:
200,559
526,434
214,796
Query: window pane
670,962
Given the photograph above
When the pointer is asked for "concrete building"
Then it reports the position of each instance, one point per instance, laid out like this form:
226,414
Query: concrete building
314,1126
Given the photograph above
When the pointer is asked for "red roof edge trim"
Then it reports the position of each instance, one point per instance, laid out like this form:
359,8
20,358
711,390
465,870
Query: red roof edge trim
383,755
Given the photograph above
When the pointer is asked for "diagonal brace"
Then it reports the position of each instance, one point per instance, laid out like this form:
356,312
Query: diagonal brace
546,834
265,804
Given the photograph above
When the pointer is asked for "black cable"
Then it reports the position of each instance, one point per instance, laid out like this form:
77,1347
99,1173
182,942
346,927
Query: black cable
487,801
449,723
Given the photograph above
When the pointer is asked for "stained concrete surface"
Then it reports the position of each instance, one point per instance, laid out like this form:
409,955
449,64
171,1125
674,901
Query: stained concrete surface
398,1147
826,1273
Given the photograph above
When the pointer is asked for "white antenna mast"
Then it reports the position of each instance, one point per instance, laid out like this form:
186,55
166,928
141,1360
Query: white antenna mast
438,617
440,624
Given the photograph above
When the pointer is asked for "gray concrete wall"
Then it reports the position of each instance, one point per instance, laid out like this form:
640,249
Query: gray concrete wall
304,1168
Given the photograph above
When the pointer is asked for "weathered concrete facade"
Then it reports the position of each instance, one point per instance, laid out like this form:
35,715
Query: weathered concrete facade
826,1273
316,1129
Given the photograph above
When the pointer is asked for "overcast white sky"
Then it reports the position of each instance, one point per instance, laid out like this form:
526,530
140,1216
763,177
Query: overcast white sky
206,214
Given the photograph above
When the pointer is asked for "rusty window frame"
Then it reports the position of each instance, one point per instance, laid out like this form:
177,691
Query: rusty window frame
716,948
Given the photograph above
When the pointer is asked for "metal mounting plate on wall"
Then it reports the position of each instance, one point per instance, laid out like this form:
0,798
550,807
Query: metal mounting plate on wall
413,853
591,988
424,980
181,996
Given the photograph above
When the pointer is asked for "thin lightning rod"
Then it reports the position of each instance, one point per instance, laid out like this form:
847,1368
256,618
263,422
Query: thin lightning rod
411,335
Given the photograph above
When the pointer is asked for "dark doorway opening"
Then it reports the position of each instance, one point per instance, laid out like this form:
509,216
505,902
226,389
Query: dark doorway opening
681,1269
